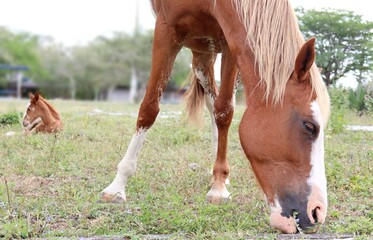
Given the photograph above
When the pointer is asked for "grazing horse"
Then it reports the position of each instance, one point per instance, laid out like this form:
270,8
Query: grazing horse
281,131
41,116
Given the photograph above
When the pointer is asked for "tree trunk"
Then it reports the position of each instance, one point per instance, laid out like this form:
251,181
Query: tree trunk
72,88
133,86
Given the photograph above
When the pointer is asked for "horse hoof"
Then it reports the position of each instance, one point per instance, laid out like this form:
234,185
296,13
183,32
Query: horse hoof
217,200
216,197
112,198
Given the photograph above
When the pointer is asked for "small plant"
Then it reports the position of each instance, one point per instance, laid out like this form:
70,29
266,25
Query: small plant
9,118
337,120
339,98
339,104
369,103
361,100
356,99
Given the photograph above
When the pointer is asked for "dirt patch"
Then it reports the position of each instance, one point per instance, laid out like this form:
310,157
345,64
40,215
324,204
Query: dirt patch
31,186
315,236
36,186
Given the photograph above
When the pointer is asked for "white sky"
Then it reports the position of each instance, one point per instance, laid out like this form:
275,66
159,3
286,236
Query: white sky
80,21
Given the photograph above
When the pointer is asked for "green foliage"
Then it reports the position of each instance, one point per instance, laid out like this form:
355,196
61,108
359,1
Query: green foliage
9,119
361,99
181,67
20,49
368,99
344,43
337,120
369,104
14,229
88,71
339,105
338,98
357,99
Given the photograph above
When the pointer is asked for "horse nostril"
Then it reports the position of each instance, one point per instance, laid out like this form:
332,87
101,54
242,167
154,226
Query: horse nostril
314,214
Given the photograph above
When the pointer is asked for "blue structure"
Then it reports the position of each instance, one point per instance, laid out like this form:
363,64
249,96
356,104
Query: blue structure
14,68
16,89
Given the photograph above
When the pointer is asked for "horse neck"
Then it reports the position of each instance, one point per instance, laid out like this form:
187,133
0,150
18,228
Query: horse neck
49,114
254,89
227,17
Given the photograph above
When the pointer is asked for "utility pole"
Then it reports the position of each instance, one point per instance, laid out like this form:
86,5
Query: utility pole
19,76
134,77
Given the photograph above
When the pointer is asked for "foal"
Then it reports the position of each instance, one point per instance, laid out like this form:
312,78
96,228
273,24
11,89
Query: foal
41,116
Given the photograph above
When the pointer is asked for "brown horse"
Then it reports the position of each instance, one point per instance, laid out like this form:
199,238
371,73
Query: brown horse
281,131
41,116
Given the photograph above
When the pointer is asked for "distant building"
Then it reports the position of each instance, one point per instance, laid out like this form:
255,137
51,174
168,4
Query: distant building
17,85
172,94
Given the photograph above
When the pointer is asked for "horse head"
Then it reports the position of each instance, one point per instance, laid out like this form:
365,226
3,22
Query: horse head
285,146
40,116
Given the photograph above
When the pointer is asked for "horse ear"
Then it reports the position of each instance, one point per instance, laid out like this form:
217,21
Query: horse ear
35,99
30,95
305,59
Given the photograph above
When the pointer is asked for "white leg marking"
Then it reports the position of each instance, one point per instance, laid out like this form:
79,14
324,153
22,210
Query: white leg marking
218,195
127,166
209,100
203,80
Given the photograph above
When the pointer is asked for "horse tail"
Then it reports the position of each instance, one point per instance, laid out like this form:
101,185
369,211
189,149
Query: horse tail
194,100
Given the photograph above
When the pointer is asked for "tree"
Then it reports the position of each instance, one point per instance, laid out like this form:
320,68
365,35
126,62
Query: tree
130,59
182,67
60,69
92,71
20,49
344,42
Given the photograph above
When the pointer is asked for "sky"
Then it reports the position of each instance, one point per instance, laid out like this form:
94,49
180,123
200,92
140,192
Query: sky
77,22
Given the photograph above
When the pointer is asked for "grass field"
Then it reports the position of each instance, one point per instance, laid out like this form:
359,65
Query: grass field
49,186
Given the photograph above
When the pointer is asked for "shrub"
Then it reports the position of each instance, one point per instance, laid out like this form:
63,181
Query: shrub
361,100
337,120
356,99
339,98
9,119
339,105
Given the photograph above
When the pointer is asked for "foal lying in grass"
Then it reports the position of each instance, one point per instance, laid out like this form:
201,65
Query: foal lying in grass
41,116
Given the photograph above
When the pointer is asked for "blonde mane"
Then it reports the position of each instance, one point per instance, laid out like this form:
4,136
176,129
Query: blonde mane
274,36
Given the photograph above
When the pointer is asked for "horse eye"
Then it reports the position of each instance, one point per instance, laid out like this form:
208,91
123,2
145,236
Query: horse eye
311,128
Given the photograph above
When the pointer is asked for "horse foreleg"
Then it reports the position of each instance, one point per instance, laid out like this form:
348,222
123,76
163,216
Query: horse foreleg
223,114
115,192
165,49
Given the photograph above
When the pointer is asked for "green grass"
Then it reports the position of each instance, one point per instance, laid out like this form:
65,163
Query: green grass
49,186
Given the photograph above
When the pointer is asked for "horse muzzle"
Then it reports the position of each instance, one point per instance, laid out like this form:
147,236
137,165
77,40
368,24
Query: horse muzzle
293,215
31,125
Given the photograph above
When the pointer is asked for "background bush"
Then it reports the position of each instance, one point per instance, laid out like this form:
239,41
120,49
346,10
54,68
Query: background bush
10,118
339,105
